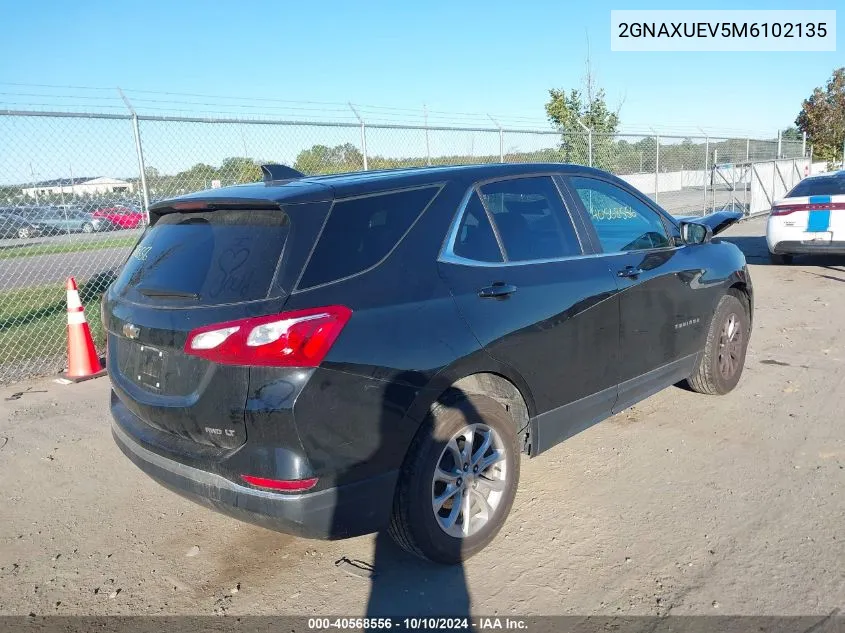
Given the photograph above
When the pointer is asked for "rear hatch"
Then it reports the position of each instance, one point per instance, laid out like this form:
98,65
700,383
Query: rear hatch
189,270
816,207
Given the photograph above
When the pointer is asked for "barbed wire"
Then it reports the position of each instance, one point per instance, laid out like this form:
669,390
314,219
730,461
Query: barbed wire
54,97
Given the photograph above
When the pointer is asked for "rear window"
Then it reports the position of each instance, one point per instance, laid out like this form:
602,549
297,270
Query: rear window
818,187
360,232
208,258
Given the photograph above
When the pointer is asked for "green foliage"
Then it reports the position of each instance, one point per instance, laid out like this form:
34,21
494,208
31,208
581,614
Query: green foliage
232,171
566,110
822,117
321,159
791,133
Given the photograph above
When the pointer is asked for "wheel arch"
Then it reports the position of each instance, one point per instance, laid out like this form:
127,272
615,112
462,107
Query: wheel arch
744,293
503,386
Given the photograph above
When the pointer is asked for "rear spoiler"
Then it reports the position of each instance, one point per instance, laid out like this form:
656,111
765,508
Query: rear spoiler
718,221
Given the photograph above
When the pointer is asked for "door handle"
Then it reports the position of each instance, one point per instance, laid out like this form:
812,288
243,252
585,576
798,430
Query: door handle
498,290
631,272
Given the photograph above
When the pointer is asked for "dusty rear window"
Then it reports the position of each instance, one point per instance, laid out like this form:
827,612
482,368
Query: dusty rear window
207,258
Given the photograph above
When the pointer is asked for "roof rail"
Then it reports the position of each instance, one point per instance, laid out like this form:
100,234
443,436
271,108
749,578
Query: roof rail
273,171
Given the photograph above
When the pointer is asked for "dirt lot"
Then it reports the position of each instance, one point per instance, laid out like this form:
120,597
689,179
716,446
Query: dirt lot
685,504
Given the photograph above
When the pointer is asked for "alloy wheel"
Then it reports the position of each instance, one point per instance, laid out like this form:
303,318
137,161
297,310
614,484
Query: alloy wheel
469,480
730,346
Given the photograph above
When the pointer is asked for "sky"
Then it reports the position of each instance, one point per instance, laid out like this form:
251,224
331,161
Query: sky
391,59
469,56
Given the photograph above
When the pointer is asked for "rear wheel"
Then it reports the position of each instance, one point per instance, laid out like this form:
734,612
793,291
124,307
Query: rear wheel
780,259
458,482
87,228
720,366
24,232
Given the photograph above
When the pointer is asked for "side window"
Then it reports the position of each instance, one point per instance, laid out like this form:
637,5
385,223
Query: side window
360,232
531,219
622,222
475,239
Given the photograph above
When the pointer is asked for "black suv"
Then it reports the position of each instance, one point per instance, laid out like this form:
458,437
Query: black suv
331,356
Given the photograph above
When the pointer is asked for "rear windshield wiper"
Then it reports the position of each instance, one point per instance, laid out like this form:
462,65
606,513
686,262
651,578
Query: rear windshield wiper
164,292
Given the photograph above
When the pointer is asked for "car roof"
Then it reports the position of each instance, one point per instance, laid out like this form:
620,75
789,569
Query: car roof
328,187
832,175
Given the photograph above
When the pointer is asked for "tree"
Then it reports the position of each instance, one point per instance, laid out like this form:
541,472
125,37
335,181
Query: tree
822,117
321,159
791,133
237,169
566,109
197,177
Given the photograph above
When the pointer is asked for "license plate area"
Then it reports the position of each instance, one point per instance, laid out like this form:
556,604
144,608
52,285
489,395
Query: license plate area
149,367
819,238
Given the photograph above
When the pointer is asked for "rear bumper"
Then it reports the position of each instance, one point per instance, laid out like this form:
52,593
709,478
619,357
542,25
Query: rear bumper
344,511
793,247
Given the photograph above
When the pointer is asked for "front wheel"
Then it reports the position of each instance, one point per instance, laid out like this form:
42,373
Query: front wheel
721,363
458,482
780,260
24,232
87,228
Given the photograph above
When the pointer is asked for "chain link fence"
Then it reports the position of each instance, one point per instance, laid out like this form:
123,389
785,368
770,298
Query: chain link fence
74,189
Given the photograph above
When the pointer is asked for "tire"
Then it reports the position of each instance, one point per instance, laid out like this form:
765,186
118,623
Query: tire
718,373
24,233
780,260
414,524
87,228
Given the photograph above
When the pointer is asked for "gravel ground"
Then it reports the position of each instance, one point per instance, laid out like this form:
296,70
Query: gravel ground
684,504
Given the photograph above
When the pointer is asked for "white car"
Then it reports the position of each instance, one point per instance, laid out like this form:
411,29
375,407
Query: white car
810,220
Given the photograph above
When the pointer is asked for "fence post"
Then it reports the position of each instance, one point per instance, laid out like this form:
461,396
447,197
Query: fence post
780,152
589,132
715,162
140,152
747,149
363,134
656,166
706,161
501,139
427,147
803,145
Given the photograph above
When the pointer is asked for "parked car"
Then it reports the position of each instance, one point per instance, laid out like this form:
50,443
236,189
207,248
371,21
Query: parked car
336,355
14,225
810,220
119,217
53,221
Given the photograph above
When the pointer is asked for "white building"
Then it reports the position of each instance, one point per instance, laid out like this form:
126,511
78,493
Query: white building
77,186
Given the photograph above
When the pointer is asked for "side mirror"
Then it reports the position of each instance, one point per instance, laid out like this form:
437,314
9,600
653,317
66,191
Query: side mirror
694,233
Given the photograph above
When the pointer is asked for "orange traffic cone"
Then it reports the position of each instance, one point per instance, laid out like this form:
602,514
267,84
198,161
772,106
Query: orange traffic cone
82,360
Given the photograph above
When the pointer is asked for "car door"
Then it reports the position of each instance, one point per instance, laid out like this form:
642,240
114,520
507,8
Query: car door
661,321
536,300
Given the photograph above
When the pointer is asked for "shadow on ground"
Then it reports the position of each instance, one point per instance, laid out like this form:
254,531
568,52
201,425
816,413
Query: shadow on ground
757,252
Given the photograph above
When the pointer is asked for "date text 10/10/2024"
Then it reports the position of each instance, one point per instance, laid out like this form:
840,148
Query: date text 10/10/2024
457,624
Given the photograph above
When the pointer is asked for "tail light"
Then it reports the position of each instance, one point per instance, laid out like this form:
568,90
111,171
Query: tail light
301,338
786,208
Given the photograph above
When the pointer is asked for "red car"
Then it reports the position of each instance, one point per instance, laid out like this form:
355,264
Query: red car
120,217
